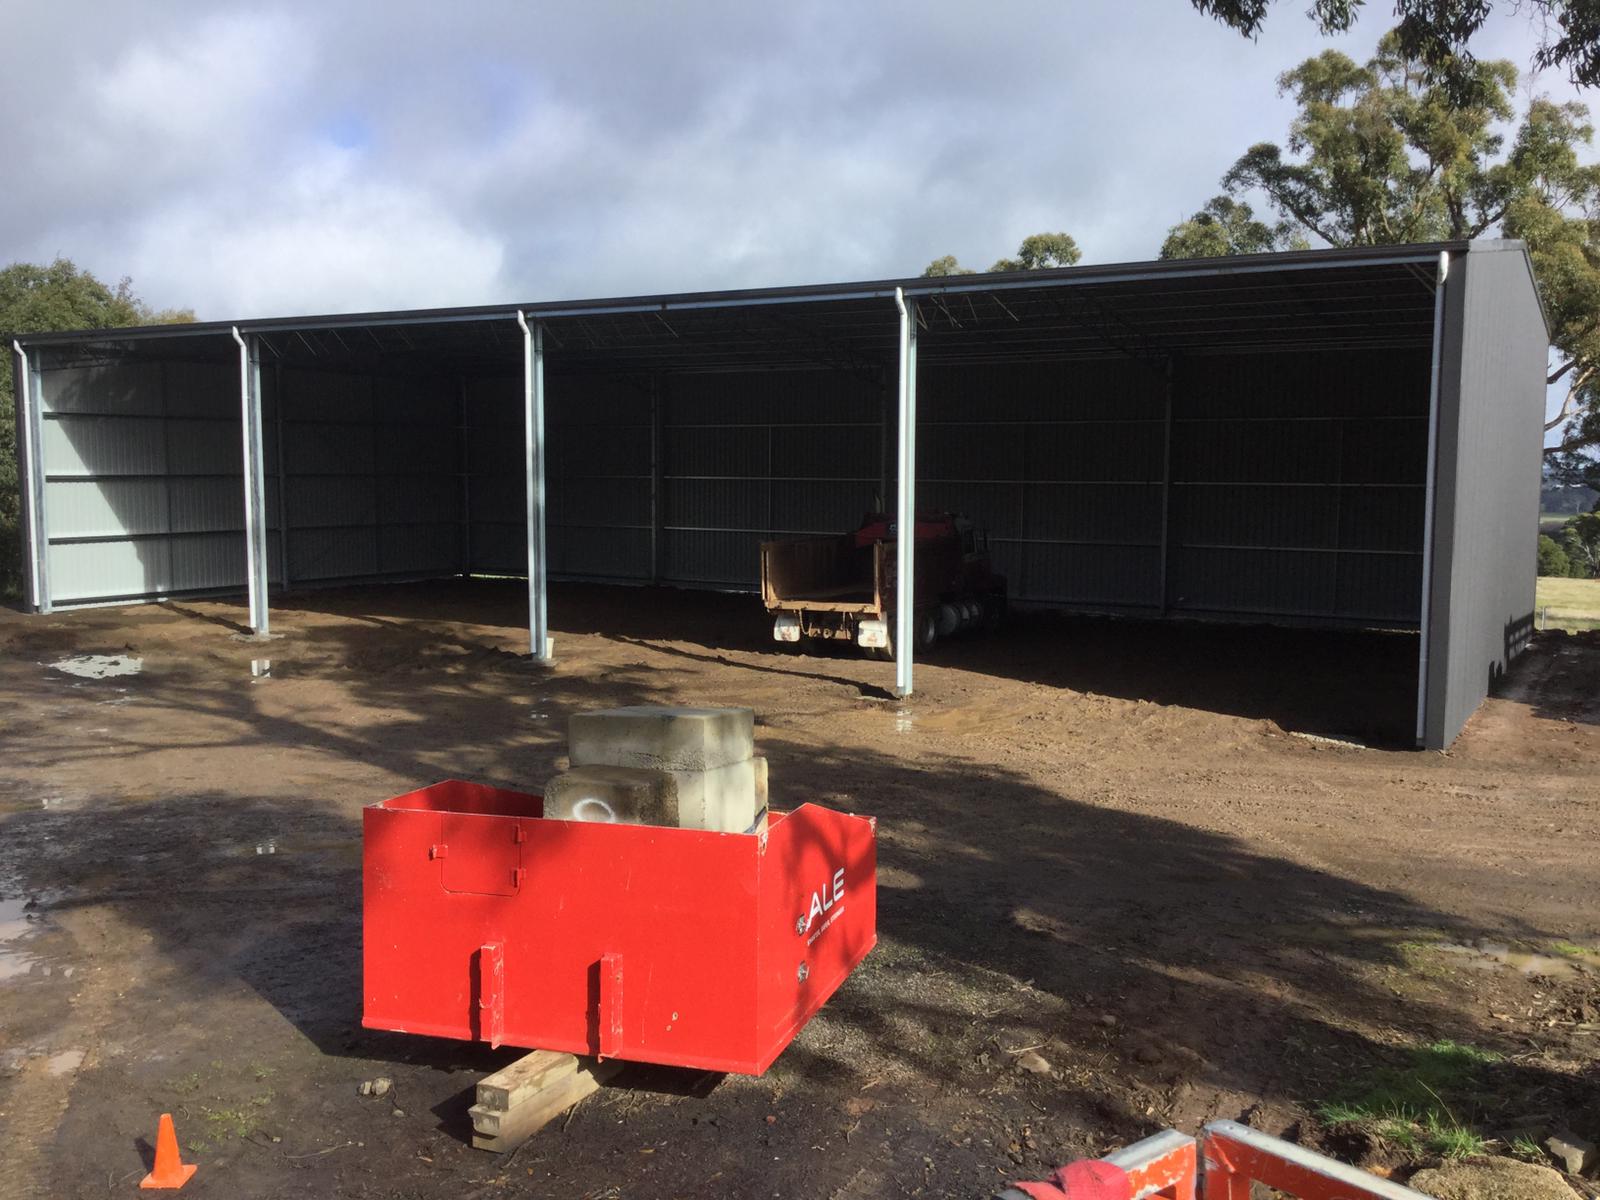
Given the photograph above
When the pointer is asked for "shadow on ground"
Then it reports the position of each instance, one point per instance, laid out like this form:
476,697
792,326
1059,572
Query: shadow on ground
1357,684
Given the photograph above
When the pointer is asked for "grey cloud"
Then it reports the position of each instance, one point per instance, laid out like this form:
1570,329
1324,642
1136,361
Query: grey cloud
299,157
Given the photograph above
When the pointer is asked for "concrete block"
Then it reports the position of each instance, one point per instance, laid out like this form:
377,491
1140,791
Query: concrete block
1576,1155
668,739
618,795
724,800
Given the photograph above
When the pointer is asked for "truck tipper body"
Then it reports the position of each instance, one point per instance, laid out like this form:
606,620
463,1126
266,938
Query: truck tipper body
845,587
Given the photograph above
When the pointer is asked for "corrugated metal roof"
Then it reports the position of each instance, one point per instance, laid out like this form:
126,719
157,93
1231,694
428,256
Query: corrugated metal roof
1369,297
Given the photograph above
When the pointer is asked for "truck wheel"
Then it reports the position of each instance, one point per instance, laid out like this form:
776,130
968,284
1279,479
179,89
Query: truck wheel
927,630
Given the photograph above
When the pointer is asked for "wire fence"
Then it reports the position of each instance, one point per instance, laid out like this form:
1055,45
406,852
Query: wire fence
1570,620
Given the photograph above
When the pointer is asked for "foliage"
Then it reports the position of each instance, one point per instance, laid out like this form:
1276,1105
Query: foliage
1528,1150
1436,33
1580,538
34,299
945,265
1380,155
1038,251
1042,250
1553,560
1557,213
1419,1105
1229,226
1384,153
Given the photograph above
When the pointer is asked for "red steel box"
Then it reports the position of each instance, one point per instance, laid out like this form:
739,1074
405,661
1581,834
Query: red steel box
483,921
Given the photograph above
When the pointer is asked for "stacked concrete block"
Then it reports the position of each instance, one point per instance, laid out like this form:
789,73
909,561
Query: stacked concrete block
625,795
695,768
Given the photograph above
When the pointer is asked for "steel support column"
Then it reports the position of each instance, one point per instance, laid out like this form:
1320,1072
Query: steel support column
533,442
906,512
255,476
1428,496
28,380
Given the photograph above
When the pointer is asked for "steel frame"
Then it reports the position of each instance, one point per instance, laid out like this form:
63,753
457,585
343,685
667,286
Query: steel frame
255,497
30,396
906,508
1436,371
533,431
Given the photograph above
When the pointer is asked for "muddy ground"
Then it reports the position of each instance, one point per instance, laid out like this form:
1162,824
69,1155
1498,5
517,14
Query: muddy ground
1103,840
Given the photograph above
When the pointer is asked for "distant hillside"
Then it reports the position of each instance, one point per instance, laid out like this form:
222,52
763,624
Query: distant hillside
1565,500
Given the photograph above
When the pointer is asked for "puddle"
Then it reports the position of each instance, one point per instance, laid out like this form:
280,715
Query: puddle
277,844
99,666
1489,955
64,1062
904,720
260,668
14,928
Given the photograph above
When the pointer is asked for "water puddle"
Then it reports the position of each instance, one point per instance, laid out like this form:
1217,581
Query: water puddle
15,928
279,844
64,1062
99,666
260,668
1486,955
904,720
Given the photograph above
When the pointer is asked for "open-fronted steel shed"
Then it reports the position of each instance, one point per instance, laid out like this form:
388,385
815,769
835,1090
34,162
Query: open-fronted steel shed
1335,438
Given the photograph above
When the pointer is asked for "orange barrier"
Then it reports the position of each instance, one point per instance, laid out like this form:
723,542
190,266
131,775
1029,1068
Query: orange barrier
1222,1166
1236,1155
1163,1164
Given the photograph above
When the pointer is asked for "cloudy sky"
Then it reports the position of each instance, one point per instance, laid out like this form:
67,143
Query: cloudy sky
261,159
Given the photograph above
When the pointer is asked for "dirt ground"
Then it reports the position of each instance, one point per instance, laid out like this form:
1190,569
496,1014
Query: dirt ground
1103,840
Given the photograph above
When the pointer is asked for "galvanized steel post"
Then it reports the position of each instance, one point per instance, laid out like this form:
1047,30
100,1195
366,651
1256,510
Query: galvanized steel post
255,488
30,477
1426,623
906,515
533,430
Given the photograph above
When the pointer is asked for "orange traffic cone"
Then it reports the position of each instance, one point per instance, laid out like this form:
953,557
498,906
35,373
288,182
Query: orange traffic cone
171,1171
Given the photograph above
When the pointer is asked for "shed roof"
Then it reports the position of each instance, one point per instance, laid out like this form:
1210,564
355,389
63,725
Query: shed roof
1369,297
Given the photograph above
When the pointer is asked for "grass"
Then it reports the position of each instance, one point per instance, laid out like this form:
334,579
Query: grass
1574,604
1528,1150
1418,1107
1573,950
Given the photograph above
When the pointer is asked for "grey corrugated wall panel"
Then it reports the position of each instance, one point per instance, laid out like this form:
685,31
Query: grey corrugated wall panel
1061,463
1491,418
597,486
144,488
497,543
751,456
1298,486
372,473
597,477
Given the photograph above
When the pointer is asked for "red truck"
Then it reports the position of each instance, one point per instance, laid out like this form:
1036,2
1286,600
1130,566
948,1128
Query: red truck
844,587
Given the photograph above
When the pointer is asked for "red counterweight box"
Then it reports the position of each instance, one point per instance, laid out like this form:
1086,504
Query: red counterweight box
485,922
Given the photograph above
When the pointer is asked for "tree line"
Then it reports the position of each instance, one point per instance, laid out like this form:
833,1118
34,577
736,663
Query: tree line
36,299
1406,149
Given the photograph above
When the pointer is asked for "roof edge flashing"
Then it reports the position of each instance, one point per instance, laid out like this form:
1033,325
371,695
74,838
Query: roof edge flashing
1153,270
